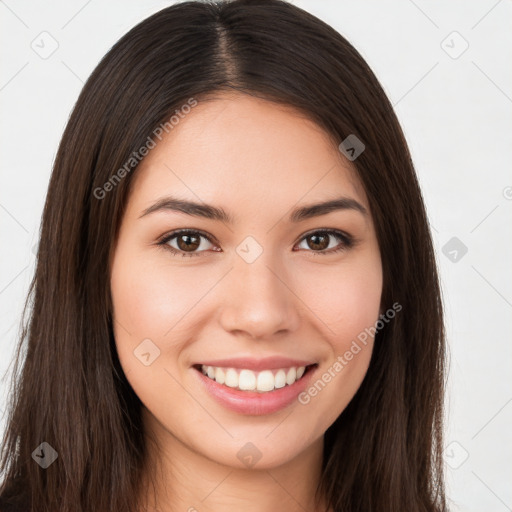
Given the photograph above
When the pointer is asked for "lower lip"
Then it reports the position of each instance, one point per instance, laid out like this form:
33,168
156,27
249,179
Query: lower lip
252,402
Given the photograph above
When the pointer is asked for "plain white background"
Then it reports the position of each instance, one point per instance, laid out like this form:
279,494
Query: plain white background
445,67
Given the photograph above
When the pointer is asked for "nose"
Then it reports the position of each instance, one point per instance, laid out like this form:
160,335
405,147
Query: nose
258,300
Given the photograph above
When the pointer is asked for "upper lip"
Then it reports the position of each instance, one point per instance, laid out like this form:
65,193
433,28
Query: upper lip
267,363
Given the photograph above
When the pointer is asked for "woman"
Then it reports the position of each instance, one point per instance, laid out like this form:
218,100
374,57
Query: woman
236,304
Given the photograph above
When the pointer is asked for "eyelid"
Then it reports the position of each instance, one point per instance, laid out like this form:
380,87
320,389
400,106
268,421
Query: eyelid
331,231
175,232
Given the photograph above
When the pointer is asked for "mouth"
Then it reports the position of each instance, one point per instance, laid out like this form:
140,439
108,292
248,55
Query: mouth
264,381
252,392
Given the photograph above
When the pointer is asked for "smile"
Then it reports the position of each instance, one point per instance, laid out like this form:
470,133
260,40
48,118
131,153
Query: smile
256,391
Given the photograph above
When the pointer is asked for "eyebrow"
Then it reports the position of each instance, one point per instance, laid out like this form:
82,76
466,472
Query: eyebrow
214,213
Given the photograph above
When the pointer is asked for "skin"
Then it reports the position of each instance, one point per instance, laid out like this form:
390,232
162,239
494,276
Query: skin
257,160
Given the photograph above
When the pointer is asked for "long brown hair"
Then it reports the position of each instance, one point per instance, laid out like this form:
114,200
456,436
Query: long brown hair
383,453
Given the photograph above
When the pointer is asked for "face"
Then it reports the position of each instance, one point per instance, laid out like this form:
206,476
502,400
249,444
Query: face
259,299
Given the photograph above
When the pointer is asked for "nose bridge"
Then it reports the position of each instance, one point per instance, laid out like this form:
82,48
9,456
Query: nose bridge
259,300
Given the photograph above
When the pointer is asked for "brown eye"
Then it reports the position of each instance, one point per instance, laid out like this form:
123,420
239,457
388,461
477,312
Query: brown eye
188,242
185,242
319,241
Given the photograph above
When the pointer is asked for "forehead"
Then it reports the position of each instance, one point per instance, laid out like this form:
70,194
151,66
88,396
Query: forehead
245,151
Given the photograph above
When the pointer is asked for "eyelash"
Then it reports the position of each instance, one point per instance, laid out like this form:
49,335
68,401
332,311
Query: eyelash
347,241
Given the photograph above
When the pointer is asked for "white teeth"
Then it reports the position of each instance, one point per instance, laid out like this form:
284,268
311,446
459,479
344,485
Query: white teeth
265,381
280,379
231,378
220,376
247,380
290,376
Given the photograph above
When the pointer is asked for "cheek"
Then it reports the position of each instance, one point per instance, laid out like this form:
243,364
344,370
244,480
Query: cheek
142,309
148,301
147,308
346,304
345,299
